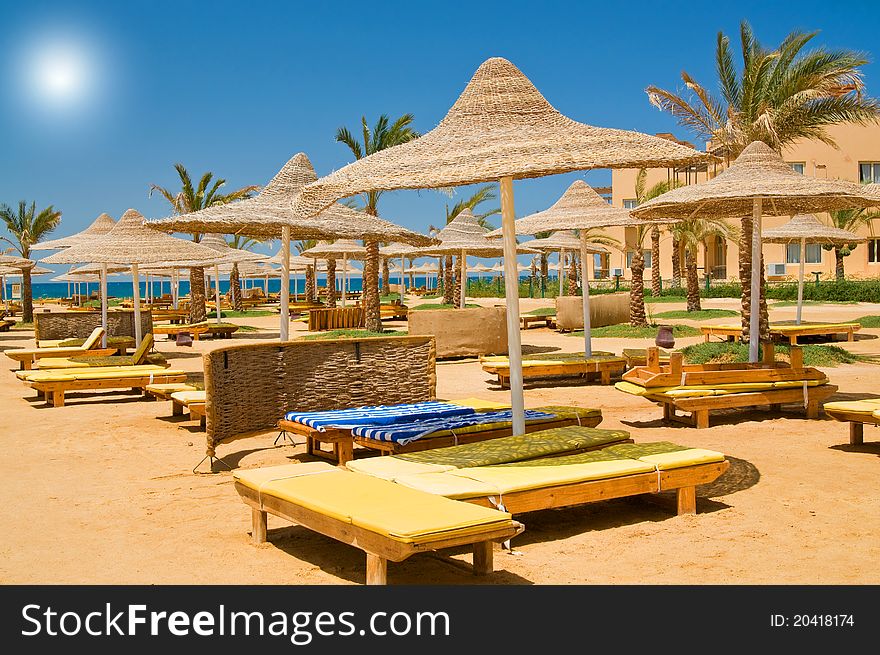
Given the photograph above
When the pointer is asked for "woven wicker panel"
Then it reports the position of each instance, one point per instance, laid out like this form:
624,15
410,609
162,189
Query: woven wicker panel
79,325
250,387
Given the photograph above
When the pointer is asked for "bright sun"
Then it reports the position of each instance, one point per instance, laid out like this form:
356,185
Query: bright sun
59,72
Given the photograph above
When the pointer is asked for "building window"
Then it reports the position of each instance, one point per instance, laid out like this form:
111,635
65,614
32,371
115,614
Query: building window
813,252
869,172
874,251
629,258
797,166
630,203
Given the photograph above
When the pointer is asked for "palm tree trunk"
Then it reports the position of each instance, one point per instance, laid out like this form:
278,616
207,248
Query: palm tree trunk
573,276
310,284
386,276
838,265
745,273
456,294
676,262
448,282
372,315
331,283
656,284
27,297
637,316
693,282
545,270
197,312
764,326
235,289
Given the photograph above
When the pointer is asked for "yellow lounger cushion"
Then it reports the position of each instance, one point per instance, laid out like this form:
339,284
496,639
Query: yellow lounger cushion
680,458
390,468
144,369
713,390
782,328
100,374
867,406
170,387
188,397
447,484
403,514
255,478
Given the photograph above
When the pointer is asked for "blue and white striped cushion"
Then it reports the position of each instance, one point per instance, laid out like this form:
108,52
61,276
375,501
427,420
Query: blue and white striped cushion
404,433
378,414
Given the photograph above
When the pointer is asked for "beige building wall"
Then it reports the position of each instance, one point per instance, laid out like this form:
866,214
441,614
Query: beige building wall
856,145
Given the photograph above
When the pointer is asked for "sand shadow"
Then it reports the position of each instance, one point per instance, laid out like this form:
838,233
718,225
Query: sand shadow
349,563
864,337
740,475
845,395
870,448
724,416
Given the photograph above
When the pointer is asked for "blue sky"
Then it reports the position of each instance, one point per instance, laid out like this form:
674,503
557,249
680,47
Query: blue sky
239,87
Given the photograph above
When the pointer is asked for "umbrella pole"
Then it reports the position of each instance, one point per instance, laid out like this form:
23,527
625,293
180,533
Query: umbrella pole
588,339
755,306
135,277
104,304
174,288
402,281
462,303
284,298
801,280
344,276
511,284
561,273
217,290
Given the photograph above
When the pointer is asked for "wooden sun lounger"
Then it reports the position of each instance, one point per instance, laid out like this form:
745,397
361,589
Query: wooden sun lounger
527,320
53,390
27,356
857,413
604,365
196,407
479,531
223,331
785,331
767,372
342,441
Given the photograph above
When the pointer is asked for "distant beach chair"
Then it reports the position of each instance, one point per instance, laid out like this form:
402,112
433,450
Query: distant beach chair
603,365
91,346
86,360
858,413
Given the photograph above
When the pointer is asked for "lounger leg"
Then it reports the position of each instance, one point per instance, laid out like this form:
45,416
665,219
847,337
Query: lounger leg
258,522
58,398
377,570
483,558
856,433
606,376
851,335
668,412
344,451
687,500
813,409
701,418
176,408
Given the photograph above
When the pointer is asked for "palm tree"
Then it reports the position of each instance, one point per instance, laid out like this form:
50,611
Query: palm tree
190,199
311,285
27,227
384,134
776,96
691,234
644,194
850,220
483,194
239,242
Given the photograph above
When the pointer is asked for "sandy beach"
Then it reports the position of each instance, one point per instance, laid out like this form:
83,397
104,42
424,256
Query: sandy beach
101,490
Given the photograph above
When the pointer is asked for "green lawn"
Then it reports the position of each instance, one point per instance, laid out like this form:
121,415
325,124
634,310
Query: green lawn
793,303
352,334
542,311
724,352
661,299
698,316
626,331
869,321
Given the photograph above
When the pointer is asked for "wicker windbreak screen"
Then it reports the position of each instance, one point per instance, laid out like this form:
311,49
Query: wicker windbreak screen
250,387
79,325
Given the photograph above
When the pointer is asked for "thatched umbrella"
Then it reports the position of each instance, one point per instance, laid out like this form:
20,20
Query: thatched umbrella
131,242
402,250
269,215
500,128
464,236
99,227
562,241
758,182
580,208
804,229
344,249
13,263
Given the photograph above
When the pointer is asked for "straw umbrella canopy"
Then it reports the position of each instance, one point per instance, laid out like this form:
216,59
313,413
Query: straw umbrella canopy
500,128
402,250
758,182
99,227
580,208
15,270
269,215
131,242
344,249
561,241
464,236
803,229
